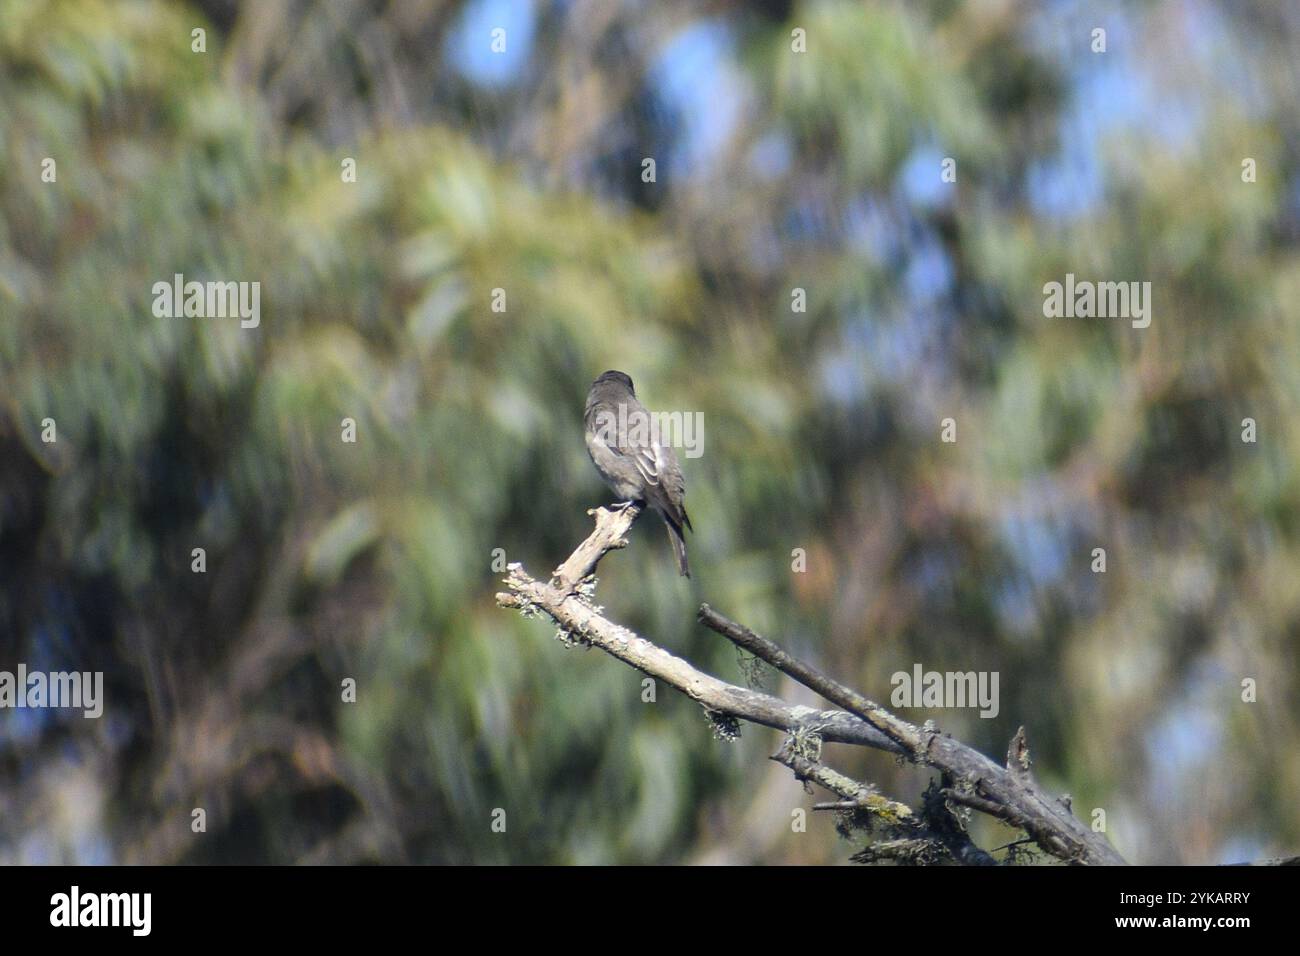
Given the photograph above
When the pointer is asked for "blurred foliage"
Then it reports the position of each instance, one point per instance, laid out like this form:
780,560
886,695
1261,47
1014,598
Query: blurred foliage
328,560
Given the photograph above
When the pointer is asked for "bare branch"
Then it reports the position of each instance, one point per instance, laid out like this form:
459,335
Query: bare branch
564,603
1018,761
950,830
898,730
970,778
912,851
612,526
1016,795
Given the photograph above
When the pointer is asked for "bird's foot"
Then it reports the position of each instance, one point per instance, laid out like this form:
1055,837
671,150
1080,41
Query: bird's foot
614,509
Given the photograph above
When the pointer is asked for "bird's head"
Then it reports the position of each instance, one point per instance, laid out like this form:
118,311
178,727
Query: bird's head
611,376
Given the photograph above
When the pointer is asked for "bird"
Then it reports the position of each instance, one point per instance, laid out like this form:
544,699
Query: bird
629,455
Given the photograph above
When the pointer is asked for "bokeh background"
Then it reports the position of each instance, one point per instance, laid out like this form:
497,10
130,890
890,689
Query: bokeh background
521,170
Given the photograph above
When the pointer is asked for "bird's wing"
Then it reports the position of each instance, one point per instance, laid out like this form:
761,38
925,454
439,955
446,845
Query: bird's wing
638,445
672,483
649,461
641,445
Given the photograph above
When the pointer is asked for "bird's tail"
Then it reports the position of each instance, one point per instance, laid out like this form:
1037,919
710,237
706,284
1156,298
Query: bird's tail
679,547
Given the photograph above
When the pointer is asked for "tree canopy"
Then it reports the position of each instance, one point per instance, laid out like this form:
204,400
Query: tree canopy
853,215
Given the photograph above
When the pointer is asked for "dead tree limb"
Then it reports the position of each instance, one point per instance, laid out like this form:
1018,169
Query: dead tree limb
982,784
969,778
568,603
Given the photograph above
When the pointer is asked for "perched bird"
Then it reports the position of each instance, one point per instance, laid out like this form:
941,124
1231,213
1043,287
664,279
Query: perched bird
629,454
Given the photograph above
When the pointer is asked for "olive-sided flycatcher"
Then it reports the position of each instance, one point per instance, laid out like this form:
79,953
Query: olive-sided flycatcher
625,446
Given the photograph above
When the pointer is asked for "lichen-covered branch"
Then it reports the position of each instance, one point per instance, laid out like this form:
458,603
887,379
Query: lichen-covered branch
1009,793
859,796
